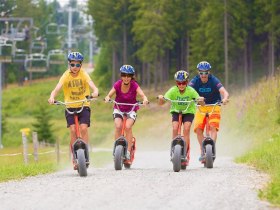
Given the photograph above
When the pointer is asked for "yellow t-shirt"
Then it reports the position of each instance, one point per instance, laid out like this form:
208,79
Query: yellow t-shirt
75,88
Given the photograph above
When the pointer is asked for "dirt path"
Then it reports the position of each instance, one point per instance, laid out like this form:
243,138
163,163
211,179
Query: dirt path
150,184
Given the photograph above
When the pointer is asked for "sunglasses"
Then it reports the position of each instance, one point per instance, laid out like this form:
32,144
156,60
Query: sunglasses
77,65
127,75
203,72
181,83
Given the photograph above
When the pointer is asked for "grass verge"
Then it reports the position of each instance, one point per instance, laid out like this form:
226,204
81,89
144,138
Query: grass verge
254,118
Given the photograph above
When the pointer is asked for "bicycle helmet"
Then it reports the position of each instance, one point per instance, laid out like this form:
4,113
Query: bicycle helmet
203,66
181,76
75,56
127,69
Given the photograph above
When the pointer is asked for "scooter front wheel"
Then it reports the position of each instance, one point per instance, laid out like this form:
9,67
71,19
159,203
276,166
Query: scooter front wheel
176,158
82,167
209,156
118,157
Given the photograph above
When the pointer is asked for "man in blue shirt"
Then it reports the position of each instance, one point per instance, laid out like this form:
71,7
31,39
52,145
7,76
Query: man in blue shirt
209,87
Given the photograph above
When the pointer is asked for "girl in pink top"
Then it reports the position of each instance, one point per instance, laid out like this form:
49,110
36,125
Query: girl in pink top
126,90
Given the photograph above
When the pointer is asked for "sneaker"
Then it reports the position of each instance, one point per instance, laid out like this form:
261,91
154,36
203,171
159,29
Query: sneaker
128,155
185,163
201,158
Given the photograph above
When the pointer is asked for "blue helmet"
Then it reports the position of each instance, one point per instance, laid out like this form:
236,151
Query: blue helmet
181,76
75,56
203,66
127,69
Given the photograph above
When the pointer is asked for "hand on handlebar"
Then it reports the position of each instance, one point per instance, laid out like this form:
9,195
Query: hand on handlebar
225,101
51,100
160,99
107,99
94,94
200,101
145,101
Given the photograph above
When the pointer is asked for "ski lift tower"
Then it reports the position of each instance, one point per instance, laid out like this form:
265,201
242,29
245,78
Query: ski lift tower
10,35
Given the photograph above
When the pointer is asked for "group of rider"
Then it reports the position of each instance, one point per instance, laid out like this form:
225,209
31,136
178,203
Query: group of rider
205,88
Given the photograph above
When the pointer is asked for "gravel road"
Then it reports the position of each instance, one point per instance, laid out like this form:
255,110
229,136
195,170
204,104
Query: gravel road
149,184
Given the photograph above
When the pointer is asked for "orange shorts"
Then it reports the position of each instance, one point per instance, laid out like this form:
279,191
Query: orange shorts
214,118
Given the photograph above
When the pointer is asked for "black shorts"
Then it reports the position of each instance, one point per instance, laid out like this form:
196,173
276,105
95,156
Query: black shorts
185,117
83,117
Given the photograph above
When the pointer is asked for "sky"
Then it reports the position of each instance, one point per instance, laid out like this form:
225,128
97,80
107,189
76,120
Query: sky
64,2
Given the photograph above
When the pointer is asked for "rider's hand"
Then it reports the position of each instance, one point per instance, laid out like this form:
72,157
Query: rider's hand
200,100
225,101
107,99
160,97
51,100
94,94
145,101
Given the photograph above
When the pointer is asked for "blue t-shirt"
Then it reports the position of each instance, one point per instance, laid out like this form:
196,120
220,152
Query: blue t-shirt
208,90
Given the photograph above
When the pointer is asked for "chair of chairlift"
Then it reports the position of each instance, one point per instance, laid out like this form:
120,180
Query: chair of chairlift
36,62
56,57
74,44
38,46
6,50
63,29
52,28
19,56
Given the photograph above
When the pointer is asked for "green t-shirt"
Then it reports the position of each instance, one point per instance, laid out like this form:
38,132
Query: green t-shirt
189,94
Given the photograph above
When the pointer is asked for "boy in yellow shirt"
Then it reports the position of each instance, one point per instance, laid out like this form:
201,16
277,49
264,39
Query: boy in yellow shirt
76,84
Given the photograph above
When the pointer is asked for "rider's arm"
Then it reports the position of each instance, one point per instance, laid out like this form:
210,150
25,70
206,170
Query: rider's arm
94,89
110,94
224,94
141,93
55,92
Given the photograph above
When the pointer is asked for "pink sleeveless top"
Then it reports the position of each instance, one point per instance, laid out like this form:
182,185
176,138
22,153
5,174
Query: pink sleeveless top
129,97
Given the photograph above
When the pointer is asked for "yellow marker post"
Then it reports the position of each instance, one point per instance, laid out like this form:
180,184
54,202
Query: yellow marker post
25,133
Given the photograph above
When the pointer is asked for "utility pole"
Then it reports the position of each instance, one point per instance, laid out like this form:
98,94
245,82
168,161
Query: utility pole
70,10
90,43
1,145
226,43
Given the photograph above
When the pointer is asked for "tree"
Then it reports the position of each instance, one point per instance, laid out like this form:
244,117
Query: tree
42,126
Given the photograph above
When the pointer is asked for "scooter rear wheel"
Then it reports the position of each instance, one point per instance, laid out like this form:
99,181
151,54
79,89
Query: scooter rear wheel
176,158
118,157
82,168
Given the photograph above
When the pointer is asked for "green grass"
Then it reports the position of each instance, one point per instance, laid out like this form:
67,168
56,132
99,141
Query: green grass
253,117
13,167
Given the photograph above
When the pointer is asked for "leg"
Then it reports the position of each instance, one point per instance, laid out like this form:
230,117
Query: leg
175,125
73,135
213,132
118,127
199,124
200,136
214,121
84,132
186,131
128,132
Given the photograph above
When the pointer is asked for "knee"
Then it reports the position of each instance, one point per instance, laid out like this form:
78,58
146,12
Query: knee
199,131
175,127
128,128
